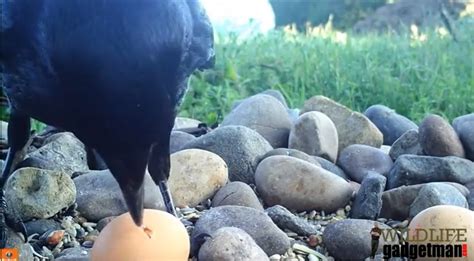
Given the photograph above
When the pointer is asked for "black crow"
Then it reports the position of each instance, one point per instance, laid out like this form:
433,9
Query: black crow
113,72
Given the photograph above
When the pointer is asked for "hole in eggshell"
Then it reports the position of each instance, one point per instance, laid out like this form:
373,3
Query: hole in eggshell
148,232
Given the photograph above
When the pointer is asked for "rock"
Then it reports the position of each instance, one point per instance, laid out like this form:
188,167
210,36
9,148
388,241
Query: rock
99,195
433,194
236,194
74,254
63,152
103,222
40,226
299,185
284,219
231,244
350,239
240,147
314,133
396,202
195,176
357,160
36,193
438,138
183,123
408,143
352,127
3,130
470,196
385,149
355,187
265,115
277,95
294,114
411,169
13,240
391,124
292,153
331,167
256,223
178,139
463,126
368,202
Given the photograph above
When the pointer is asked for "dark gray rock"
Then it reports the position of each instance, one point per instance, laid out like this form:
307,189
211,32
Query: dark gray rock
368,202
438,138
178,139
36,193
74,254
464,126
352,127
292,153
329,166
256,223
240,147
104,222
236,194
314,133
470,196
350,239
357,160
396,202
391,124
411,169
433,194
99,195
63,152
40,226
231,244
408,143
265,115
277,95
284,219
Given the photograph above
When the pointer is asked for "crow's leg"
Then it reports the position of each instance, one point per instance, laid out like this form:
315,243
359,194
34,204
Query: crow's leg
159,168
18,135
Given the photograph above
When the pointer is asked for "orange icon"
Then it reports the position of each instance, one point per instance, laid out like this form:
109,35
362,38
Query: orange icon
9,254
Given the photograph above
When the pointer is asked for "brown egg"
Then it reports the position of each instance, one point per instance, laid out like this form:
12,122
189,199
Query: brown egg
444,225
162,238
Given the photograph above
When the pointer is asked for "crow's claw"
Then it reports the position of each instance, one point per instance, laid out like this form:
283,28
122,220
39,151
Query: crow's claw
9,220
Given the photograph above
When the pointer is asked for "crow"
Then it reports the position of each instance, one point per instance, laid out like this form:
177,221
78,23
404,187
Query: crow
113,72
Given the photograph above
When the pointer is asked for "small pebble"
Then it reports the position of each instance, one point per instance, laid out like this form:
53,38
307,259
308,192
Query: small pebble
88,244
313,240
275,257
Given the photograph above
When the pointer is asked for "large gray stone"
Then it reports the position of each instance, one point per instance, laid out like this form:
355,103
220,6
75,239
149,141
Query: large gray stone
390,123
178,139
368,202
256,223
99,195
236,194
240,147
62,152
408,143
396,202
464,126
299,185
329,166
352,127
36,193
231,244
264,114
411,169
438,138
350,239
357,160
433,194
314,133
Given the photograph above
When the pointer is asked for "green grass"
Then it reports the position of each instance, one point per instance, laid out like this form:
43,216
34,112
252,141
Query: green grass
413,77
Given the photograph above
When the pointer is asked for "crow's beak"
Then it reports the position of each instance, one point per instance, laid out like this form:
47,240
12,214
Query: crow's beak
134,200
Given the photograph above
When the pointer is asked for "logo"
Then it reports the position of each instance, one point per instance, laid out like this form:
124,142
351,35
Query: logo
421,242
9,254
